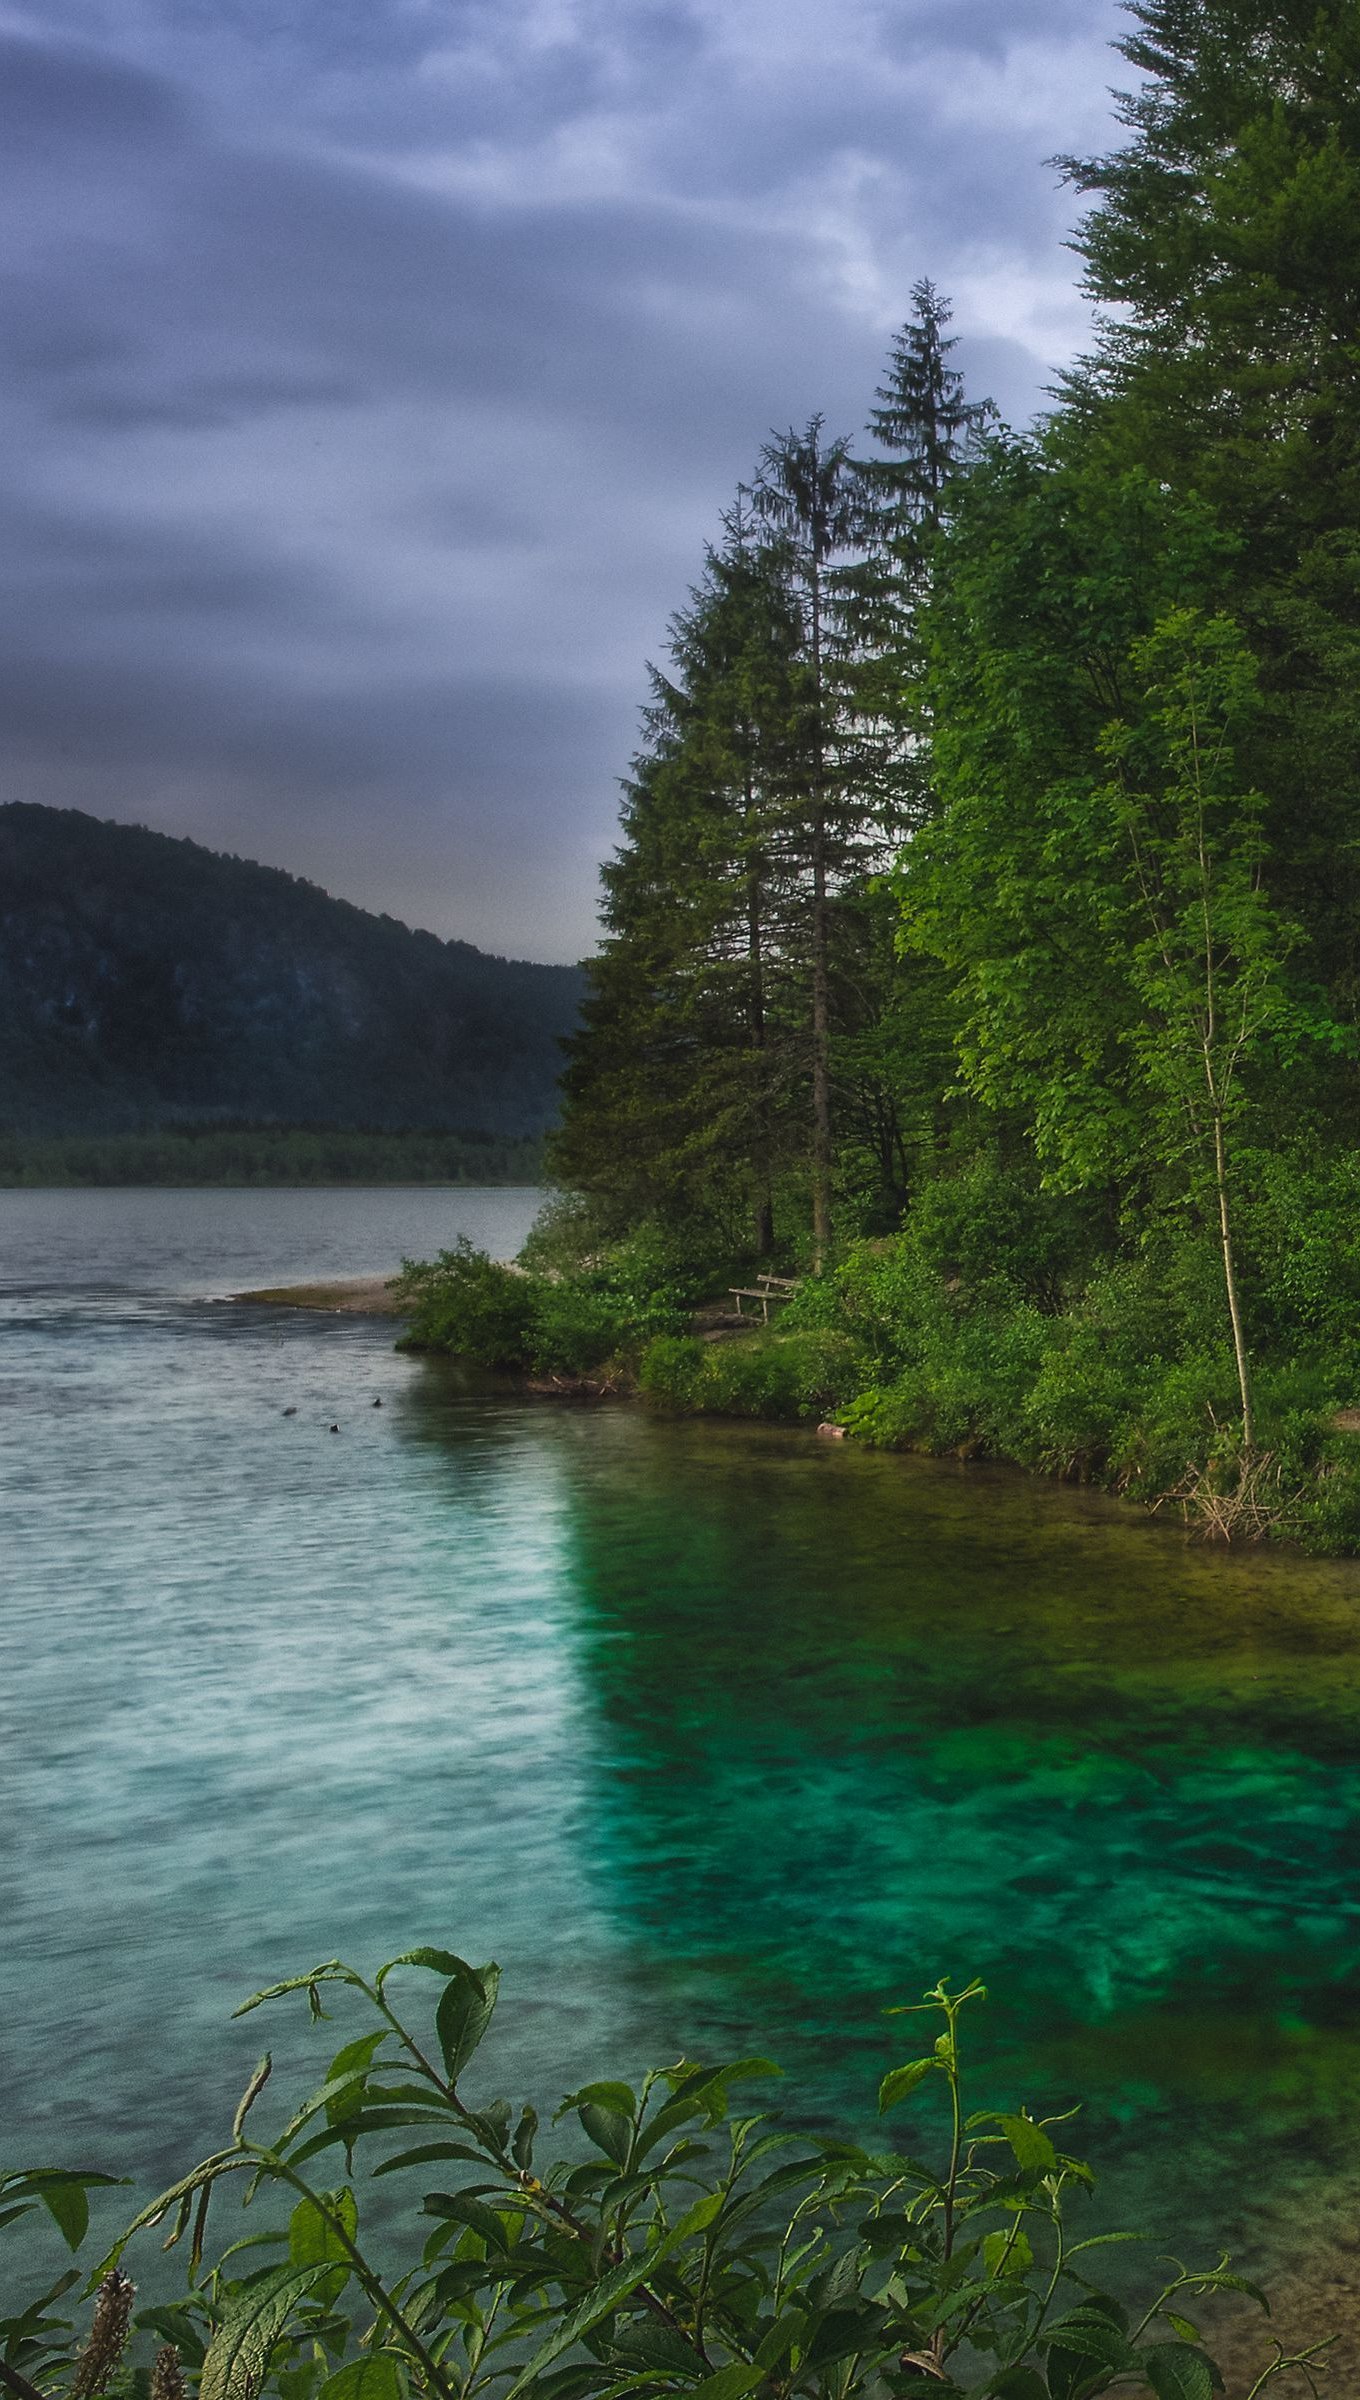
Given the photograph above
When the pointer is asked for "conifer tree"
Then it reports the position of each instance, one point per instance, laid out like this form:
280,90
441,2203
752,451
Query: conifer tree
927,428
680,1084
808,492
923,421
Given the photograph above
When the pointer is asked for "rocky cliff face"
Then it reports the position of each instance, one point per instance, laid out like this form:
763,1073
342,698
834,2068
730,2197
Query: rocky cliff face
146,981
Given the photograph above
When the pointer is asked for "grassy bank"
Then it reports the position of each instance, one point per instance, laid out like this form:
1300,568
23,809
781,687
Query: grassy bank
250,1155
978,1331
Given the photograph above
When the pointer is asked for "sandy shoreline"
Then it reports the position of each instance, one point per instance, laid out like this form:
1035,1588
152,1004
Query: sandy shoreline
350,1296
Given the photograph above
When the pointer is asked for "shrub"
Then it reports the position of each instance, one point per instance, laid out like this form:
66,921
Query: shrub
465,1302
575,1327
682,2251
557,1320
798,1374
671,1371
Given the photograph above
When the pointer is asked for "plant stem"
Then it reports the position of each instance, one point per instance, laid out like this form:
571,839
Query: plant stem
372,2283
19,2384
1230,1280
939,2340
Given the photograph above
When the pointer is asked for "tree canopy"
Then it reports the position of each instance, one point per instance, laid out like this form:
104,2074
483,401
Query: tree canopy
998,817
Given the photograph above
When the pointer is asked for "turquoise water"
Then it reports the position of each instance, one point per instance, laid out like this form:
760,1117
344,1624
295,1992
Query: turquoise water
716,1736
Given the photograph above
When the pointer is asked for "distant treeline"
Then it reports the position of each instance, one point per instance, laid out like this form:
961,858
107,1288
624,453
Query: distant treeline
148,982
268,1154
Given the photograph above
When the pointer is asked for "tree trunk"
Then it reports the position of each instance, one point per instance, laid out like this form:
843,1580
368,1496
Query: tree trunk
821,979
1230,1279
755,963
821,1056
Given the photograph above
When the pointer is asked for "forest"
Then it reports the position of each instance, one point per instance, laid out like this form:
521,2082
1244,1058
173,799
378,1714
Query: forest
148,983
983,944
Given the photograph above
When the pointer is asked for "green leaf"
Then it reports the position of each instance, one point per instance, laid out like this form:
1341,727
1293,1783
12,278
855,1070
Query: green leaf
1221,2281
778,2342
1182,2326
239,2353
428,2152
464,2208
332,1969
903,2080
1175,2371
616,2096
465,2010
612,2290
729,2383
608,2130
649,2342
1030,2145
314,2241
1007,2253
69,2210
356,2057
1089,2334
62,2191
208,2170
439,1962
522,2146
377,2378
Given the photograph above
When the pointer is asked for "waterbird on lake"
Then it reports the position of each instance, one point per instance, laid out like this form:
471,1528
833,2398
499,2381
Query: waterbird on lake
290,1412
335,1429
377,1404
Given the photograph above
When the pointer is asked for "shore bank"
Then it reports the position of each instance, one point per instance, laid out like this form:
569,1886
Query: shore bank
351,1296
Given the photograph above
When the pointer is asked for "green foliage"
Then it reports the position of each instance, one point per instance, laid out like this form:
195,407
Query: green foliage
799,1374
465,1302
568,1320
1062,1097
684,2246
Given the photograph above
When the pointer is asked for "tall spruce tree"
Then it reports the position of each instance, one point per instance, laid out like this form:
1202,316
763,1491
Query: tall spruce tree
924,422
680,1087
807,490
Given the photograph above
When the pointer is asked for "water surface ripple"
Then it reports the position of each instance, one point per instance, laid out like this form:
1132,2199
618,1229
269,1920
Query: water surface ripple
714,1735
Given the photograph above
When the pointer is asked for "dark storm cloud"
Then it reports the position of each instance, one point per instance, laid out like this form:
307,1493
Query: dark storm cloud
375,376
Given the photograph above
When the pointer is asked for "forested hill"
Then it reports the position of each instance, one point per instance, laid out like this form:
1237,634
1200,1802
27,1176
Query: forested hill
145,981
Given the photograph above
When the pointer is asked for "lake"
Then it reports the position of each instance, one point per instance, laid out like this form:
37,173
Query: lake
717,1736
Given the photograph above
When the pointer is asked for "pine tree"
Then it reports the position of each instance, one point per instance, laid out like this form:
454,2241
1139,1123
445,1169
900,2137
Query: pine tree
924,421
681,1083
928,428
807,490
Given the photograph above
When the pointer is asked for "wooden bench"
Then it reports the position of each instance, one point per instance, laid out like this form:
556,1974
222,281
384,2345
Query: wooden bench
765,1289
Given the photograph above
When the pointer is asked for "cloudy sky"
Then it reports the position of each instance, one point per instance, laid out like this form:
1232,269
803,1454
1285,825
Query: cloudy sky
375,370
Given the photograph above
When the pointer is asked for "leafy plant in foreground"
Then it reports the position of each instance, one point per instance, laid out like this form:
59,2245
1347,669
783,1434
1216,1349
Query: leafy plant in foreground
684,2250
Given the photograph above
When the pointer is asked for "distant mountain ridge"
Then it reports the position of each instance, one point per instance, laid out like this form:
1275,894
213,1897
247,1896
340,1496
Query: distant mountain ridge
147,981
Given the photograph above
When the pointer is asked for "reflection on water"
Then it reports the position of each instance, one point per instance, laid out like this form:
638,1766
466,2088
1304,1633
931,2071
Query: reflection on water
713,1734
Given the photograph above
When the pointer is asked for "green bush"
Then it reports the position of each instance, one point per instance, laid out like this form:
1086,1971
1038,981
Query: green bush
569,1319
945,1337
467,1303
684,2251
1301,1237
575,1328
800,1374
671,1371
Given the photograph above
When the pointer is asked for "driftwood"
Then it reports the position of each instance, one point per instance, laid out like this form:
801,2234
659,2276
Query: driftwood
1257,1504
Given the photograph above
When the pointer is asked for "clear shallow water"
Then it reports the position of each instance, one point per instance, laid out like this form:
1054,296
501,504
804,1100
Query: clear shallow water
714,1735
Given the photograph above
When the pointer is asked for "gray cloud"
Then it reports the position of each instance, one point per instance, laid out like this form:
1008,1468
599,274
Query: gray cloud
374,379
